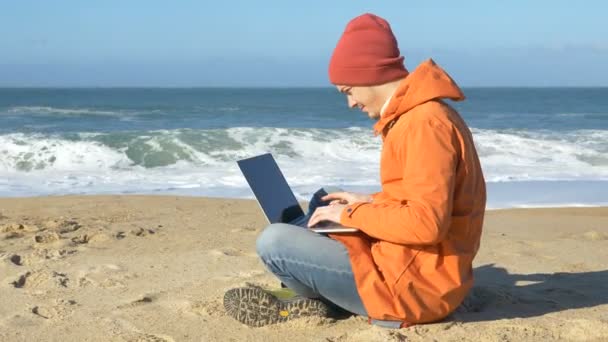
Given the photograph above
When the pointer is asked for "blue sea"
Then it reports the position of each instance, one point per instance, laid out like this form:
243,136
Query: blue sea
538,146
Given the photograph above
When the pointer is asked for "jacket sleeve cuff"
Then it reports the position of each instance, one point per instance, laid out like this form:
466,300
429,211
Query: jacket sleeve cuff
346,218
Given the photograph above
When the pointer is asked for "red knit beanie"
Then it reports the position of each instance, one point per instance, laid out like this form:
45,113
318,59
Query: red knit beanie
366,54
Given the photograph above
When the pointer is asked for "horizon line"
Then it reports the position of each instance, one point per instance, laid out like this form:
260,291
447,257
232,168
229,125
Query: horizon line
285,87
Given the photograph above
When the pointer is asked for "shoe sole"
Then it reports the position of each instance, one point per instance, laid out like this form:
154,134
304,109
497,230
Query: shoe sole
255,307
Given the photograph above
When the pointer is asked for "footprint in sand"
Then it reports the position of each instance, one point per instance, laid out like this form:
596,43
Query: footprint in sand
13,259
44,254
18,227
90,239
41,279
59,310
142,232
139,232
16,230
81,239
47,237
20,282
99,238
16,260
62,226
105,276
44,312
142,300
68,227
229,252
212,307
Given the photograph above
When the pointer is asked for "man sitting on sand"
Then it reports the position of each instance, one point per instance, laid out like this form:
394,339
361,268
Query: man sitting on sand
411,260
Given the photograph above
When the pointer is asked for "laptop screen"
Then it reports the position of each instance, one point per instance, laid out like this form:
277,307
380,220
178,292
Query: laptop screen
270,188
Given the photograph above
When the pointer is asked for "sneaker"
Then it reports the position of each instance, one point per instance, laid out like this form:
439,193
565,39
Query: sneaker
256,306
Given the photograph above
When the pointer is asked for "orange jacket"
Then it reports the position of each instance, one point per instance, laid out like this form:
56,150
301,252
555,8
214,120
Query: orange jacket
412,260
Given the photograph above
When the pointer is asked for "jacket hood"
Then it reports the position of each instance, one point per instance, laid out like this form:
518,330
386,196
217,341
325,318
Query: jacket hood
427,82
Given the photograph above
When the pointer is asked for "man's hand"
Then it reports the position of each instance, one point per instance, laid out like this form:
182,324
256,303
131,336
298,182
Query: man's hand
346,198
328,213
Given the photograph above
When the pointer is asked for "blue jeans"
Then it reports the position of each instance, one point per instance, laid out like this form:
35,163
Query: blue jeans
312,264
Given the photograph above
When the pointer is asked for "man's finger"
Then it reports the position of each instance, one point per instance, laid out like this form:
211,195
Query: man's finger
334,196
314,218
313,221
319,215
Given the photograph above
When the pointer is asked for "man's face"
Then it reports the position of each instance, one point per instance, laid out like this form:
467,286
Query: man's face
364,98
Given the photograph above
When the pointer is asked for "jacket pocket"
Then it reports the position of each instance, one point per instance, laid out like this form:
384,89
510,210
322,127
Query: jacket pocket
409,264
392,260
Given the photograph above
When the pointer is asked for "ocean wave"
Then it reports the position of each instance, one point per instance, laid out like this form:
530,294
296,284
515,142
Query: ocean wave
62,111
162,148
580,115
543,155
34,152
49,110
190,159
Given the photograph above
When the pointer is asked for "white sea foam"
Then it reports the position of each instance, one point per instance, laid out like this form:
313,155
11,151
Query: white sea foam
36,152
60,111
202,162
508,156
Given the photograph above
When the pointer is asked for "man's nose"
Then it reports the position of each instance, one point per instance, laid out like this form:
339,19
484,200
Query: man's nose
351,103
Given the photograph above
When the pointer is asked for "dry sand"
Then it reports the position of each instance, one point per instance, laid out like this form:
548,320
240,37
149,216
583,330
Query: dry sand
154,268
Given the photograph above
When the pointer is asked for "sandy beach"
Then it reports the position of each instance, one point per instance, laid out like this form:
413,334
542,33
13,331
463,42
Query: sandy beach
155,268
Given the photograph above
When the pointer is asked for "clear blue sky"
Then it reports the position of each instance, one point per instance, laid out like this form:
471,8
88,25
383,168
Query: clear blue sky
288,43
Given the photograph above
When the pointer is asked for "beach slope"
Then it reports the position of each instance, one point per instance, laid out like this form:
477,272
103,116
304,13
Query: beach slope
154,268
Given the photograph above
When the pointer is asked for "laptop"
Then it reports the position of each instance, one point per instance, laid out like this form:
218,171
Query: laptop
275,197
